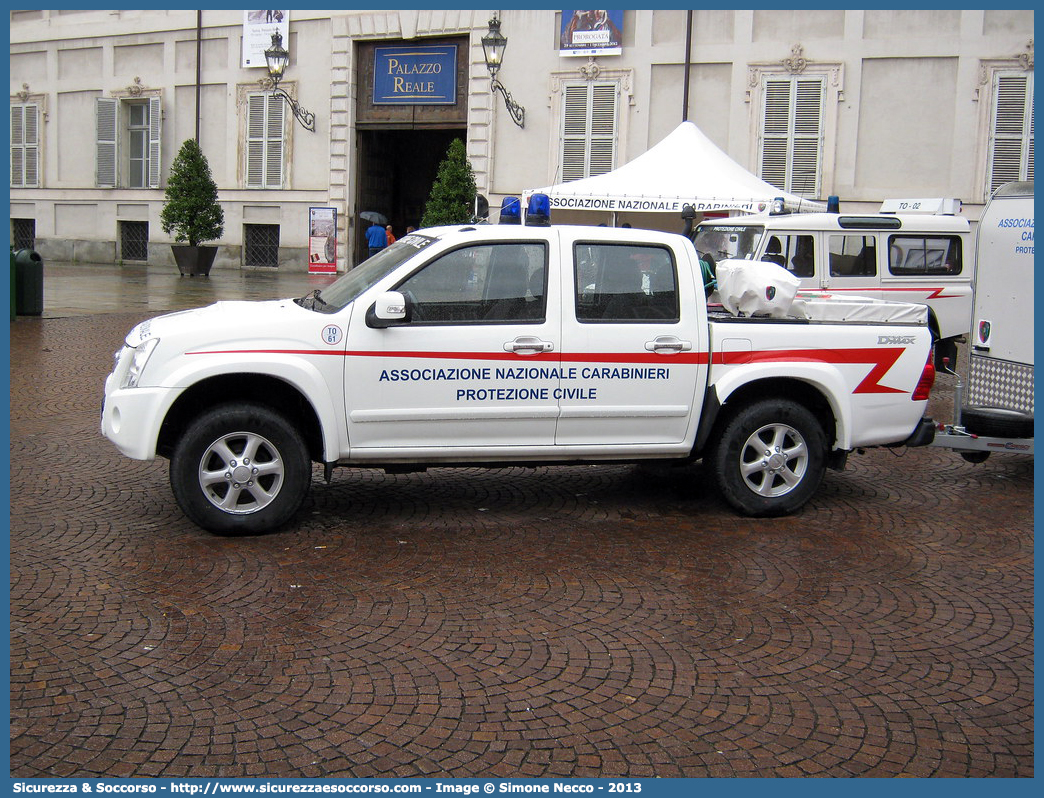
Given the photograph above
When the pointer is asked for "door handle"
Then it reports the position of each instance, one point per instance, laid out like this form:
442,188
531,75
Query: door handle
668,343
528,344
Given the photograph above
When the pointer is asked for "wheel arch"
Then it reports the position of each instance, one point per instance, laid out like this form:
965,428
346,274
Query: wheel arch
264,389
770,454
933,324
810,395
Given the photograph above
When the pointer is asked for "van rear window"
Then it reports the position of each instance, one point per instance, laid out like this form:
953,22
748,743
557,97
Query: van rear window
913,255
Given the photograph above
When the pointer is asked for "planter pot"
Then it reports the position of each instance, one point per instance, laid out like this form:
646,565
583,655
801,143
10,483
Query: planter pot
194,261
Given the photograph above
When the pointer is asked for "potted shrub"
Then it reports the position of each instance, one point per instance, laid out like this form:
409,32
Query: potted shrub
191,211
452,198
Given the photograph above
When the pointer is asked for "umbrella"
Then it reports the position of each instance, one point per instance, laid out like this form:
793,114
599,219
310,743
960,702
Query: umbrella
373,216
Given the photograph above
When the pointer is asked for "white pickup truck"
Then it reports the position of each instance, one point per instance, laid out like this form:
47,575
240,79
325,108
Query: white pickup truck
495,345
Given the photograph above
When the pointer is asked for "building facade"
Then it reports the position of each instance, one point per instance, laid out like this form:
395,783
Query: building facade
862,104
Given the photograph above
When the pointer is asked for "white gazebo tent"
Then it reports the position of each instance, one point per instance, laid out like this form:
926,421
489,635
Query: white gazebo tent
685,168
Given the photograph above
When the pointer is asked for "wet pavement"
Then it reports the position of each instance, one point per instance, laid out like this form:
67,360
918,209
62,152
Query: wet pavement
571,621
77,289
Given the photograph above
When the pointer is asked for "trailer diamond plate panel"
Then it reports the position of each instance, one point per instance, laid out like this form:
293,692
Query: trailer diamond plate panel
1000,383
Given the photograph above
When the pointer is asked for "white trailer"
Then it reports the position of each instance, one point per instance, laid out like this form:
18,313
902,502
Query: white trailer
993,403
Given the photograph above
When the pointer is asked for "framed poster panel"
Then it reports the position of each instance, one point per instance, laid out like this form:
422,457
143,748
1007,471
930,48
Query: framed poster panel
322,240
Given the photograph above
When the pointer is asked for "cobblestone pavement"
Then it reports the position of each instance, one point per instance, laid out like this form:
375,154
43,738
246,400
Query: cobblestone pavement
575,621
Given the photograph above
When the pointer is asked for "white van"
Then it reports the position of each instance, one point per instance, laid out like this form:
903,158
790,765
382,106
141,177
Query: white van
995,397
924,258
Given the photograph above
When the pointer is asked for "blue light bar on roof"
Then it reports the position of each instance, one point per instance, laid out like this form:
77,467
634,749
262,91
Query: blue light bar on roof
511,210
539,212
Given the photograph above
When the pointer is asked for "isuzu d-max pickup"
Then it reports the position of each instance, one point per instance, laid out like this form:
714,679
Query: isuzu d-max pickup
493,345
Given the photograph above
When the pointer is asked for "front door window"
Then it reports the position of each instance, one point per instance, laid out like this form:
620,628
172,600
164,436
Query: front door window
485,284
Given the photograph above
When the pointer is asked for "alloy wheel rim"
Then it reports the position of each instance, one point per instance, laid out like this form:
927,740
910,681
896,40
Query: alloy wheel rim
241,473
773,460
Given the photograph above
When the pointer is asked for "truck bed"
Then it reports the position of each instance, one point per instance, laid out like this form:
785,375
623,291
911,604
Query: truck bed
830,310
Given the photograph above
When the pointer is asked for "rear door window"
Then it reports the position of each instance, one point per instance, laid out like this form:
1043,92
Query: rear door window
853,256
625,283
918,255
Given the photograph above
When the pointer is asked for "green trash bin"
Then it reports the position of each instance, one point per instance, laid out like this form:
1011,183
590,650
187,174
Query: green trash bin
28,282
12,284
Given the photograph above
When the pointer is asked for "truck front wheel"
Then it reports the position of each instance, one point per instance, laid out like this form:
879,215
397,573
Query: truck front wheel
240,469
769,458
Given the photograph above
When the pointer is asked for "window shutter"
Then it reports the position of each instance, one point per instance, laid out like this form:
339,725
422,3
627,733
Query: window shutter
792,134
1011,151
32,146
274,150
155,118
588,130
107,116
255,141
603,129
25,145
17,148
574,130
1029,153
808,106
775,132
265,118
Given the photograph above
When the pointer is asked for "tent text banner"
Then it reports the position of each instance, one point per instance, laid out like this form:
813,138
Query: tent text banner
655,205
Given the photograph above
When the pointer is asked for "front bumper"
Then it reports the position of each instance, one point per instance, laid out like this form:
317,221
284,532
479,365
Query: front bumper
131,418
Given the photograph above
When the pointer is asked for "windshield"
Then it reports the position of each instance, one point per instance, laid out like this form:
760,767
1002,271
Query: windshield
738,241
342,291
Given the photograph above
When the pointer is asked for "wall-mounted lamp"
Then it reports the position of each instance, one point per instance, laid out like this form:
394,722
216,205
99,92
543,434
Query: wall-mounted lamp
277,58
493,46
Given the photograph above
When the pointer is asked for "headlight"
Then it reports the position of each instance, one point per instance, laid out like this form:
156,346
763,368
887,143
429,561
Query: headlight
141,355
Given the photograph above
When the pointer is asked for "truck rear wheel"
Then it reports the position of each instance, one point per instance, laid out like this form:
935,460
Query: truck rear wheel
769,458
240,469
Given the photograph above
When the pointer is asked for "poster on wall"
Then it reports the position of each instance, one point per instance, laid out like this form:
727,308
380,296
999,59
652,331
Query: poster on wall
591,32
258,27
322,240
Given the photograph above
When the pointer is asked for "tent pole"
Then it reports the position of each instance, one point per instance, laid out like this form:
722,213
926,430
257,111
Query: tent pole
688,65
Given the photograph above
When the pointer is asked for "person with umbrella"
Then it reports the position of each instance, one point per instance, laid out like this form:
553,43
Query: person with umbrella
376,237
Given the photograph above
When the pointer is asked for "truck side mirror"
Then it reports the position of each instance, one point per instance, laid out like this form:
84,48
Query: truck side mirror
388,311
